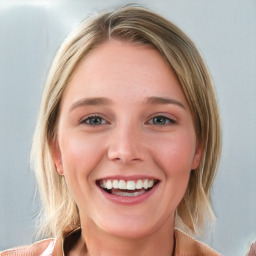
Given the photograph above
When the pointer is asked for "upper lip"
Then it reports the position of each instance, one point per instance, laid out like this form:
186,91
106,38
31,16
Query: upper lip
126,178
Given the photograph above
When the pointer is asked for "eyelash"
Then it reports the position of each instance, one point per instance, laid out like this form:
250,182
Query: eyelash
167,120
90,117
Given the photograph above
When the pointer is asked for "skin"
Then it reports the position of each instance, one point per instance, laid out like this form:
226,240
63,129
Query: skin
127,140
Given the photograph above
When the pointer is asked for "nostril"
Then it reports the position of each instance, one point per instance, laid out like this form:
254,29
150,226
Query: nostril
125,147
124,156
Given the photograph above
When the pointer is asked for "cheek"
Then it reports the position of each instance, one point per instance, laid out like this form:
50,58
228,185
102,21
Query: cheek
77,149
176,154
80,156
175,160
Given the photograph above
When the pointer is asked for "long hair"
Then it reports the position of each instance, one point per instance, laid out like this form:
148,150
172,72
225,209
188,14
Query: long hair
134,24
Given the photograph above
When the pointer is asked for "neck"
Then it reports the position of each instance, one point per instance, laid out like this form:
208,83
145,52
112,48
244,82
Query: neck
100,243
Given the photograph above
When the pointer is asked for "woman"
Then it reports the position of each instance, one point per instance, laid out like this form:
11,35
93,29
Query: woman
127,141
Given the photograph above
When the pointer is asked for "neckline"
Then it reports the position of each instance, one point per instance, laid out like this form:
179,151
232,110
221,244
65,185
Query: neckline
70,240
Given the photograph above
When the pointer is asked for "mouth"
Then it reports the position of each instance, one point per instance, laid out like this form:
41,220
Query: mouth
127,188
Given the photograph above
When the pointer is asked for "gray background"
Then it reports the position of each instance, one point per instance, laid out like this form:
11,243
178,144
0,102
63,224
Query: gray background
224,31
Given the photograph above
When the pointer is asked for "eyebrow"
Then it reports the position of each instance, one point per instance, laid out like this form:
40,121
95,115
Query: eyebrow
91,102
105,101
163,100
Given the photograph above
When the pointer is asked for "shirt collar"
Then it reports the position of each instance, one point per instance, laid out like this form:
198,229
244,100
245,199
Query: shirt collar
184,245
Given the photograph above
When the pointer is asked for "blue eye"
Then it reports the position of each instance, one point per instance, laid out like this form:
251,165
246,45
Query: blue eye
161,120
94,120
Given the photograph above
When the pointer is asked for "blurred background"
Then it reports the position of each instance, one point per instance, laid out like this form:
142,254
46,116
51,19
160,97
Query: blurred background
224,31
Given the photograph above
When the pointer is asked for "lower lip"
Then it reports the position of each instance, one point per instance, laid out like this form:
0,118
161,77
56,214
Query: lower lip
129,200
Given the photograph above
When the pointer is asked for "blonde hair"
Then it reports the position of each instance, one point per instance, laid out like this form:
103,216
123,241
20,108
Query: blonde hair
136,25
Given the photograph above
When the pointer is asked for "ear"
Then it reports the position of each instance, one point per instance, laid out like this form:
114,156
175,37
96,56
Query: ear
56,156
197,157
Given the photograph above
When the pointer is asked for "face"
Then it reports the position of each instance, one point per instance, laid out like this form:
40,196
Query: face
126,141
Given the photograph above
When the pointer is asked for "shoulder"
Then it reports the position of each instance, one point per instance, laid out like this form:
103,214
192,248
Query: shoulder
43,247
187,245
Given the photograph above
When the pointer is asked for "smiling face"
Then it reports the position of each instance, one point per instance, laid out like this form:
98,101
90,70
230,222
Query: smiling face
126,141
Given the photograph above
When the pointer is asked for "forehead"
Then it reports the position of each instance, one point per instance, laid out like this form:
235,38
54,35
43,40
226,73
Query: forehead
118,67
120,55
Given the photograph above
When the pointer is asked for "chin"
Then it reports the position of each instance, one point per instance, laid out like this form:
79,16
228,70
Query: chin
129,232
134,227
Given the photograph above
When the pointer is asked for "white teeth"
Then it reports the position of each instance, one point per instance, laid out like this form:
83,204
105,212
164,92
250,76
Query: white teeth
115,184
122,184
130,185
150,183
145,184
139,184
121,193
127,185
109,184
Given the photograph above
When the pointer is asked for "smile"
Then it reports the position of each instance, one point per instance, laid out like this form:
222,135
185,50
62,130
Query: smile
127,188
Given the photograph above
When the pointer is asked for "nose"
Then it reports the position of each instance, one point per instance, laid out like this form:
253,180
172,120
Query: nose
126,145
